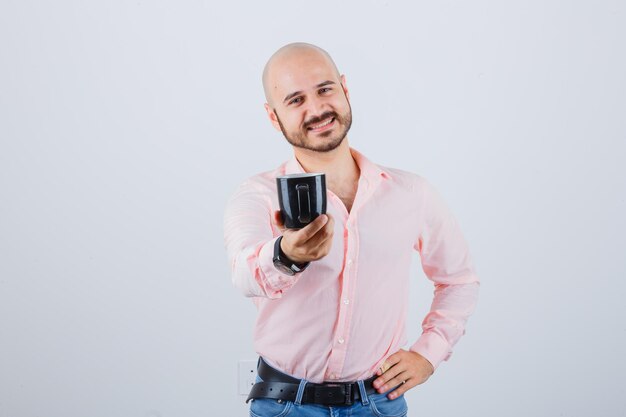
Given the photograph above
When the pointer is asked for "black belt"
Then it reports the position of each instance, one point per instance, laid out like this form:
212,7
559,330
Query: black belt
280,386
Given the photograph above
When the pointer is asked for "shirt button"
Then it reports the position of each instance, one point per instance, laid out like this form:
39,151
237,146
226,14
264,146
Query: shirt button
346,301
349,262
341,340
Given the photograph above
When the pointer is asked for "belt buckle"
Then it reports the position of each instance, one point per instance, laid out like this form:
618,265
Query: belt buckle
348,395
334,394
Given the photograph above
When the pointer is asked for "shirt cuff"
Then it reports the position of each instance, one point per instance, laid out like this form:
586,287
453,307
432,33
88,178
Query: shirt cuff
272,280
432,347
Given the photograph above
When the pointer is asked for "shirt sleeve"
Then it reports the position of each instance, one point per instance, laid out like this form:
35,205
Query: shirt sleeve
249,239
446,261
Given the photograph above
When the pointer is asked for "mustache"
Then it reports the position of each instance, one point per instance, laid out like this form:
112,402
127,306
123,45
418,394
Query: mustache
317,119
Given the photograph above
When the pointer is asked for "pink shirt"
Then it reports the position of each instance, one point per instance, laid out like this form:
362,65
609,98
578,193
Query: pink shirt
346,313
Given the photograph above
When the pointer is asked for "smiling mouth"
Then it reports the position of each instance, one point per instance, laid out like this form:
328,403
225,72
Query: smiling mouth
322,126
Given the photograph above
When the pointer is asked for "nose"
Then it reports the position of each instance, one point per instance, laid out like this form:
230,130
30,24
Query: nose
316,106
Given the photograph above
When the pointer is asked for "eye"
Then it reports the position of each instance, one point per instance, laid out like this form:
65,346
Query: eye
324,90
295,100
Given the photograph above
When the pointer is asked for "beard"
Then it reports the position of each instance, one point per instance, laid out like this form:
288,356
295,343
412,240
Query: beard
300,138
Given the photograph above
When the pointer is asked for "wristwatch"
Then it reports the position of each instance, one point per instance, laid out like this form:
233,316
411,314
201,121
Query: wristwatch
284,264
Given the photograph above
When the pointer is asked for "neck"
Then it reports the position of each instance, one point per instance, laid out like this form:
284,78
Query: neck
338,164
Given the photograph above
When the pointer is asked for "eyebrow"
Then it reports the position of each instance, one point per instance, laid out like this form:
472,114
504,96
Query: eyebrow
296,93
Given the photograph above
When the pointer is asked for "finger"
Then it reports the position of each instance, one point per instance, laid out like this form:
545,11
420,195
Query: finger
278,219
404,387
388,380
383,368
388,363
323,236
330,224
395,358
382,383
399,379
321,249
312,228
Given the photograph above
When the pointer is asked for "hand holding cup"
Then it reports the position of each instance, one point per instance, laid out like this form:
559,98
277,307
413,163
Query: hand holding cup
309,243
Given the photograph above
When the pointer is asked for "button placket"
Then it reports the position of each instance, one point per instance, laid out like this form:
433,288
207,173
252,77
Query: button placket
348,290
339,350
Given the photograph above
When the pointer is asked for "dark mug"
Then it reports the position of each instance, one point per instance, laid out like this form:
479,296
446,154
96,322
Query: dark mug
302,198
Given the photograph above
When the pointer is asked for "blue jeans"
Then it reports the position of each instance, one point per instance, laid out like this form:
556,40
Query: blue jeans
377,405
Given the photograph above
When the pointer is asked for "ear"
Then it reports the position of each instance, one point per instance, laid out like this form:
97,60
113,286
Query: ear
345,86
272,116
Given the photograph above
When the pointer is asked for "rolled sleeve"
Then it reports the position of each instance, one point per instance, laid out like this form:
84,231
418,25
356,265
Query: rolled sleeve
271,279
249,239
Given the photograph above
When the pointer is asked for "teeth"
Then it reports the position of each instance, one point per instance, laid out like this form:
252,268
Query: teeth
322,124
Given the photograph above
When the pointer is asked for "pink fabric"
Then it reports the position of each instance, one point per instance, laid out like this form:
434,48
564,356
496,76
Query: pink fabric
345,314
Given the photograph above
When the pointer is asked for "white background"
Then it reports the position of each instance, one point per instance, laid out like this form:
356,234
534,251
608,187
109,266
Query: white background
125,126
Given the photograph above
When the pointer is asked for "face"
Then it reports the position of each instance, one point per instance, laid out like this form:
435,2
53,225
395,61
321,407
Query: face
310,103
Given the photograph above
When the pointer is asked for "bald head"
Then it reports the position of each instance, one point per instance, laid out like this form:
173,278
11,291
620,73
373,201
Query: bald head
288,60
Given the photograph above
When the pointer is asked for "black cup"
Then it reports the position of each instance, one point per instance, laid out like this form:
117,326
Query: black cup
302,197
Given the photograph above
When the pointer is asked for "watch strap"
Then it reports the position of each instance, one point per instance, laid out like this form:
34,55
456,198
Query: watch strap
281,257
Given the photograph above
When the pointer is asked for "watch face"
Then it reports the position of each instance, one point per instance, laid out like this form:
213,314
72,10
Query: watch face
283,268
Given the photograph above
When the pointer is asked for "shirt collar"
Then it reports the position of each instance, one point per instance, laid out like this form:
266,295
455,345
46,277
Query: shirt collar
369,170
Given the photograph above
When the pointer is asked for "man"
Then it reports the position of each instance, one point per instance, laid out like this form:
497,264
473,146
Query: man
330,337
